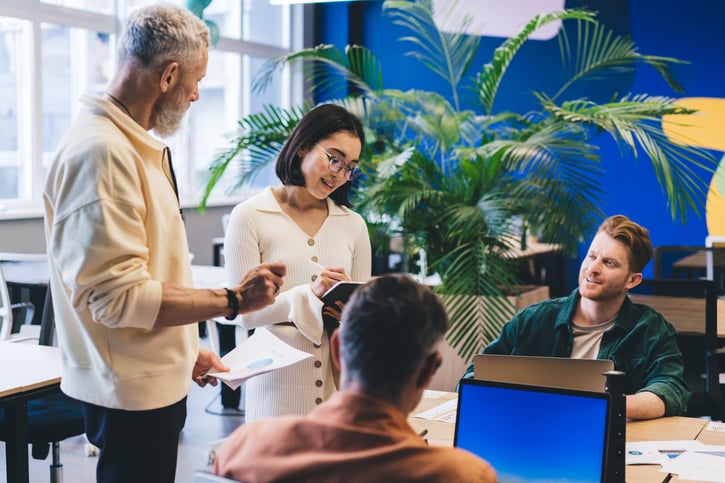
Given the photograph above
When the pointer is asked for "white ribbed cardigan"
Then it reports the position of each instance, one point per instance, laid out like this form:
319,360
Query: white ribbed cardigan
259,231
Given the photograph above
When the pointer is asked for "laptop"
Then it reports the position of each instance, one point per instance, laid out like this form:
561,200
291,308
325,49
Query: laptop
581,374
534,433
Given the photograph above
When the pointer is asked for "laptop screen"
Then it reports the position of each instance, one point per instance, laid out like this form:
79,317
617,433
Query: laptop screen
534,434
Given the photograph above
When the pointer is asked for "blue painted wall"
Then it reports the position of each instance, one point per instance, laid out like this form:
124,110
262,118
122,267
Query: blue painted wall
690,31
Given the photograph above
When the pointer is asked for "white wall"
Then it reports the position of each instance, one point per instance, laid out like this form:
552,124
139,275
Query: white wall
27,236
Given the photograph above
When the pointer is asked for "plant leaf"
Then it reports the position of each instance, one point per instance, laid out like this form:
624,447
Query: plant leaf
489,79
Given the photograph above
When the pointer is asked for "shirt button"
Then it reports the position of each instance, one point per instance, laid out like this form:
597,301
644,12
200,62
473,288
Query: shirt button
311,242
315,259
318,400
318,363
318,383
314,277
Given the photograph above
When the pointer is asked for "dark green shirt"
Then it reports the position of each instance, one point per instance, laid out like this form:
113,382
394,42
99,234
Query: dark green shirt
641,343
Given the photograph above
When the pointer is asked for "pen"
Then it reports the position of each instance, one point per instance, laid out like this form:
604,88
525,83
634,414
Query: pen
317,265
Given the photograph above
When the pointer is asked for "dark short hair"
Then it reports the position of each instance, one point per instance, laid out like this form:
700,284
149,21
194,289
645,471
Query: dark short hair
634,236
388,328
320,122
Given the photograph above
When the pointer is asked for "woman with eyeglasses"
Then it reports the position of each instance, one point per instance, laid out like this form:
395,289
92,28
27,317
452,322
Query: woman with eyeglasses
307,223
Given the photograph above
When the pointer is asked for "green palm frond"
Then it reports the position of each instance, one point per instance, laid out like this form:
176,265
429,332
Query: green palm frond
477,276
478,318
460,183
555,167
260,139
634,123
598,51
447,54
488,81
329,69
431,121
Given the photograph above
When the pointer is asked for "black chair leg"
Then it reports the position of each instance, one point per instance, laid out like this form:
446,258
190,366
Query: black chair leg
56,467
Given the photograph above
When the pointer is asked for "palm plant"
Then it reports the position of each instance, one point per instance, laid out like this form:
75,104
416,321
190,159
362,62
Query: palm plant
457,182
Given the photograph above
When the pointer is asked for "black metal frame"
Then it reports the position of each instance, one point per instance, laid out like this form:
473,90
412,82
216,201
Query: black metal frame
714,355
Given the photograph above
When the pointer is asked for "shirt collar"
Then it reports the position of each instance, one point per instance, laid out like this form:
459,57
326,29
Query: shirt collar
623,320
267,202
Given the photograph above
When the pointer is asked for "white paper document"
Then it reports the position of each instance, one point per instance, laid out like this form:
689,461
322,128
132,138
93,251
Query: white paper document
700,465
445,412
657,452
688,459
715,426
260,353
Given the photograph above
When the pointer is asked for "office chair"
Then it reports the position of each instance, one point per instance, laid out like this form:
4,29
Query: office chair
691,262
14,316
694,315
51,419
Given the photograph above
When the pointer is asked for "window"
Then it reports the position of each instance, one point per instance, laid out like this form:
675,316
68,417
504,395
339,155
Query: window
53,51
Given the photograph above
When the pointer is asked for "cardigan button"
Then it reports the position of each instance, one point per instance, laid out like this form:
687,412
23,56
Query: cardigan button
315,259
311,242
314,277
318,363
318,383
318,400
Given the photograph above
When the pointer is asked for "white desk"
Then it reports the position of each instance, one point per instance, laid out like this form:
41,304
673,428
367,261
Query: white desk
208,276
27,371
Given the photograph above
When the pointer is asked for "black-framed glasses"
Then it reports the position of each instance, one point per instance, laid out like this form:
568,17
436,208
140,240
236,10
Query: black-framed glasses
336,165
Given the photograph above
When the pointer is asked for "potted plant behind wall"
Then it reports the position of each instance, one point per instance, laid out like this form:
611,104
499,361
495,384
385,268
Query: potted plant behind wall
458,182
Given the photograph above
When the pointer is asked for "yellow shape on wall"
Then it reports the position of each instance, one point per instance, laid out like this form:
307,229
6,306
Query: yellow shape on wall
704,129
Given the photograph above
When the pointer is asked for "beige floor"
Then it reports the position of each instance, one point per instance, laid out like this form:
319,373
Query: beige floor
202,427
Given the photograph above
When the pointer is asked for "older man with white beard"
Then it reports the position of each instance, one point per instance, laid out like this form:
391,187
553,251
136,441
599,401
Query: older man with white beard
119,263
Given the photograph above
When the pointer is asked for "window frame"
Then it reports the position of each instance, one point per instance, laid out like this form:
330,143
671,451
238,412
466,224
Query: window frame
31,132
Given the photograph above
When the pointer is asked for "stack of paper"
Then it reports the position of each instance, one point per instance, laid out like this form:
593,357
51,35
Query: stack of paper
705,464
260,353
689,460
445,412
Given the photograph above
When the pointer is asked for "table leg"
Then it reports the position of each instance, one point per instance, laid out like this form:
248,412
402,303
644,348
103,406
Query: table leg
16,448
217,248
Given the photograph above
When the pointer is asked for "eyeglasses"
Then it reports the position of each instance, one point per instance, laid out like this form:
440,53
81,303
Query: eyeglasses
336,165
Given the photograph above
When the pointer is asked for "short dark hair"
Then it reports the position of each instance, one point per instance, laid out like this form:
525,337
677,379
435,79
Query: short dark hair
320,122
388,328
634,236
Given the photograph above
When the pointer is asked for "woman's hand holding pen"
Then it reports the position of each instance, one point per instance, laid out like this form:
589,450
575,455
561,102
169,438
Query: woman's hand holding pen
326,278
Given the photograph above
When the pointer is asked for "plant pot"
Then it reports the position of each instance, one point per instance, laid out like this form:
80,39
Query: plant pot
453,367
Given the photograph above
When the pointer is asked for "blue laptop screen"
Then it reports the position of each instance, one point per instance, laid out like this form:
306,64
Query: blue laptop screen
534,434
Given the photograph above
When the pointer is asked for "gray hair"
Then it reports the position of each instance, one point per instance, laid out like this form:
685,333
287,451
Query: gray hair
388,328
158,34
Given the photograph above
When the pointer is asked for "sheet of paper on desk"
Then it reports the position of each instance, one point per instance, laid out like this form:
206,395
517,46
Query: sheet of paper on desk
260,353
657,452
697,465
445,412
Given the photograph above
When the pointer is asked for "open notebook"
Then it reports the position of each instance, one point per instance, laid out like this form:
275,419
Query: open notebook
533,433
582,374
